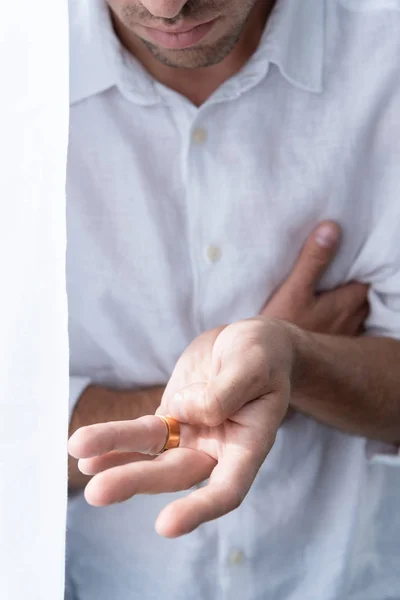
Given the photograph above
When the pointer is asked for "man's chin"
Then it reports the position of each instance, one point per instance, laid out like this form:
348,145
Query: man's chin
197,57
187,58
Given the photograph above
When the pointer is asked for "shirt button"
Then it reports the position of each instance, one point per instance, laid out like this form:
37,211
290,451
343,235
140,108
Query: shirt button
236,558
199,135
213,254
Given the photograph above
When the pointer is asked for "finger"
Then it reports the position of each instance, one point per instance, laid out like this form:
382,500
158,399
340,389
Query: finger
146,435
357,326
174,471
315,257
350,297
98,464
228,485
339,309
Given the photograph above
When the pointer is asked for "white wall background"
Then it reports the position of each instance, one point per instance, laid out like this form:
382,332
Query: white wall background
33,310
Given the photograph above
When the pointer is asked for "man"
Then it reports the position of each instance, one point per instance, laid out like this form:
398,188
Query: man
208,139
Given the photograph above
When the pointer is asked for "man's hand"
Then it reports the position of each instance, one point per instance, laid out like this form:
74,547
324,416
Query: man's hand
230,390
342,311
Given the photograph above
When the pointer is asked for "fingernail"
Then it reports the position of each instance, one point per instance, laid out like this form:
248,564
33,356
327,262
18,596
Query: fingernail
327,236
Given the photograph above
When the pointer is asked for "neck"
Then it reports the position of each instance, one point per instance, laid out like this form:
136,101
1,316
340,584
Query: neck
199,84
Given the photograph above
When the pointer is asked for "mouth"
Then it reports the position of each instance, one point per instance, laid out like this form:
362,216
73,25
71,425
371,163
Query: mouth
180,38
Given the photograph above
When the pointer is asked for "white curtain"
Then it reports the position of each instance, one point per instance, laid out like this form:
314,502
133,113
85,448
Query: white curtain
33,307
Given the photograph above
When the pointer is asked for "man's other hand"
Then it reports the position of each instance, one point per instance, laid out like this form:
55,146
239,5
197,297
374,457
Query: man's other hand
341,311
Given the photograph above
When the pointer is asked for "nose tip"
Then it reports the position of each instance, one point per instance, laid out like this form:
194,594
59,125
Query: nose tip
164,9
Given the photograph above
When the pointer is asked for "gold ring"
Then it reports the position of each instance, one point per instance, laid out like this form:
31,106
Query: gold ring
173,433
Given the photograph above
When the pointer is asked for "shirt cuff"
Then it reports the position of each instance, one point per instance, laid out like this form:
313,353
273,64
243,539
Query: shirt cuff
379,453
77,386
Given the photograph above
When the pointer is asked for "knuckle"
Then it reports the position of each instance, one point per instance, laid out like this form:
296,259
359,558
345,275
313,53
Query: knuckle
343,300
342,304
355,294
360,295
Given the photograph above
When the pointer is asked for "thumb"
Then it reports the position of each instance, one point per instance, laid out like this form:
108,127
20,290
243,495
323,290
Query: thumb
315,257
212,402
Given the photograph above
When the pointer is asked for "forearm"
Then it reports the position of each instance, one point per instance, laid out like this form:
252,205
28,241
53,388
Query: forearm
351,384
101,405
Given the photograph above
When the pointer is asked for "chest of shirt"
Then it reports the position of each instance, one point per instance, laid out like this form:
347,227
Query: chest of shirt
180,220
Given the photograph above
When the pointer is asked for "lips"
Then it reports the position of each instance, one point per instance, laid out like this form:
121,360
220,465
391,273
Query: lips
180,38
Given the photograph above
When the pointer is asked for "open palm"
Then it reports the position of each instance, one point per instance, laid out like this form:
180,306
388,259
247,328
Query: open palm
229,408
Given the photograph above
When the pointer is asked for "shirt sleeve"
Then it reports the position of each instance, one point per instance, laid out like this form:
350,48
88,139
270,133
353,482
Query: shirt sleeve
385,321
379,265
77,386
384,301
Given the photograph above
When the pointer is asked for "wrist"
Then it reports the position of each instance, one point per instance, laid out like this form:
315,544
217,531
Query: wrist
314,370
291,343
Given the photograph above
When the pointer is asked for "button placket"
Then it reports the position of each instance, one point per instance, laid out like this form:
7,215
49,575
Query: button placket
195,184
203,188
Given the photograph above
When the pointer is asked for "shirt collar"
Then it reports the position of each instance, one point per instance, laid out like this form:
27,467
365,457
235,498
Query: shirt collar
93,49
294,40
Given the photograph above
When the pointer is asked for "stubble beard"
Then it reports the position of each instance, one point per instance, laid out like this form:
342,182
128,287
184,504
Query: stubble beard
196,58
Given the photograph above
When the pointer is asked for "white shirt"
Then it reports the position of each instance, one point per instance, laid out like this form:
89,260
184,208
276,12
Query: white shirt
183,218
